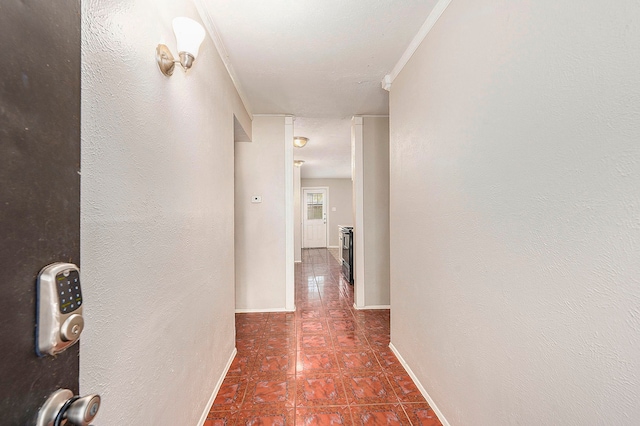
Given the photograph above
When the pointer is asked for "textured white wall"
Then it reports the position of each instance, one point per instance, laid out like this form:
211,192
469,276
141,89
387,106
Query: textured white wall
370,147
297,217
340,197
260,227
515,232
375,133
157,217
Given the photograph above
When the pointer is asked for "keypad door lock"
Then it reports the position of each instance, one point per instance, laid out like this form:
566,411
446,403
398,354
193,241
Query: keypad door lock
62,408
60,303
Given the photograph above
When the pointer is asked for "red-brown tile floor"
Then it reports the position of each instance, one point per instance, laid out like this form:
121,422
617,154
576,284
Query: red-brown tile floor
325,364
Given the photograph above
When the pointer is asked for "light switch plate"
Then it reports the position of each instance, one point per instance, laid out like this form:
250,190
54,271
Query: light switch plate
256,198
333,209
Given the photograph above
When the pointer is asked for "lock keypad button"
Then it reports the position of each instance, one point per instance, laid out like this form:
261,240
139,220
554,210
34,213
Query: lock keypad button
68,289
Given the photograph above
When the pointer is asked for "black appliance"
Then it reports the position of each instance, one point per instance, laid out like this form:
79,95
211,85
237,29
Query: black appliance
346,233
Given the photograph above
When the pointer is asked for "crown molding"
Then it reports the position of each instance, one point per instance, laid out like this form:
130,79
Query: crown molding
431,20
222,51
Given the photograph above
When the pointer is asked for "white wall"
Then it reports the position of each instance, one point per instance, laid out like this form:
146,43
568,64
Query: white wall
297,217
340,198
370,141
515,239
156,217
375,133
260,227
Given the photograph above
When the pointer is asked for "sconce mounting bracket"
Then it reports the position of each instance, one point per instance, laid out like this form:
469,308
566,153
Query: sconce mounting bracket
165,60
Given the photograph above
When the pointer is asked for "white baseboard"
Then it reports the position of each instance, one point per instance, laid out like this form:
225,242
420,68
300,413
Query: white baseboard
203,418
333,246
258,311
362,308
298,261
421,388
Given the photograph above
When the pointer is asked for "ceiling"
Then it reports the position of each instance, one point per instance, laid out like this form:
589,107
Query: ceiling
321,61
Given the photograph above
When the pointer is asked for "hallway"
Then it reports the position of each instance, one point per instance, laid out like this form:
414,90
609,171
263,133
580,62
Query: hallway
325,364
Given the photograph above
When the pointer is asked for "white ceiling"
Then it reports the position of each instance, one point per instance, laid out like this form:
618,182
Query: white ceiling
321,61
328,152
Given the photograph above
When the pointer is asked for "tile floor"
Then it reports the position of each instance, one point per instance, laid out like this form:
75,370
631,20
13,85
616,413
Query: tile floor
325,364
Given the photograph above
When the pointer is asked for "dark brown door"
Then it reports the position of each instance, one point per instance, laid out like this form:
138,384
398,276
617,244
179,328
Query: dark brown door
39,189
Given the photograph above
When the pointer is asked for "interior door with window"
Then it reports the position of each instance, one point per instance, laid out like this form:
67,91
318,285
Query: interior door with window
314,218
39,190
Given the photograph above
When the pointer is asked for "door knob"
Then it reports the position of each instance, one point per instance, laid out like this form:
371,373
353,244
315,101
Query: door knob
83,410
63,408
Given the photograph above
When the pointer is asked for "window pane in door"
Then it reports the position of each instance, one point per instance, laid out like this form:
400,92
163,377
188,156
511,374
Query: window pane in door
314,212
314,206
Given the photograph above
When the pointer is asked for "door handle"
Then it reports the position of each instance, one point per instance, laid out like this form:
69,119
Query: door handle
63,406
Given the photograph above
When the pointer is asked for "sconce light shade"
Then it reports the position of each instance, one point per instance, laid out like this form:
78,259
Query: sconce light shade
189,36
300,141
298,163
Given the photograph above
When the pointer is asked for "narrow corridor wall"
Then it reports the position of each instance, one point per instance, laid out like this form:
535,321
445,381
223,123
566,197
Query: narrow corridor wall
370,150
375,134
515,168
260,227
156,217
297,216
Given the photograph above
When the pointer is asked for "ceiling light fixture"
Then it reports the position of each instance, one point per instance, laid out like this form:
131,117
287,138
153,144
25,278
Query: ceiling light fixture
189,36
298,163
300,141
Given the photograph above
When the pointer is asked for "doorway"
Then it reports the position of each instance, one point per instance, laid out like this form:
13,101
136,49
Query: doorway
314,217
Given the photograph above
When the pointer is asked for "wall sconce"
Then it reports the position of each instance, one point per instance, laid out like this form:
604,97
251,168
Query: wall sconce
300,141
189,36
298,163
